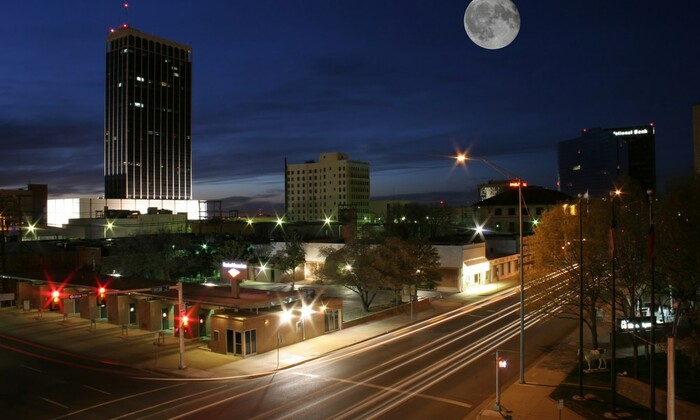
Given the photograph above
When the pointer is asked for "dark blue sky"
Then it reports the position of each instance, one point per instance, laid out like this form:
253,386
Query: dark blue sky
395,83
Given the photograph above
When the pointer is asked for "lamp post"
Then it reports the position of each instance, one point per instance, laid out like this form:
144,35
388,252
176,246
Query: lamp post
652,338
580,296
500,364
305,313
462,159
181,307
613,326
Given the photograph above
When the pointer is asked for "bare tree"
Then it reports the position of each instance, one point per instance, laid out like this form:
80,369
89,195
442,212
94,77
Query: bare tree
678,236
351,267
291,256
555,247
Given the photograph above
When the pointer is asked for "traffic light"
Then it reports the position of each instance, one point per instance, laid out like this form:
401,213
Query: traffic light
101,297
55,302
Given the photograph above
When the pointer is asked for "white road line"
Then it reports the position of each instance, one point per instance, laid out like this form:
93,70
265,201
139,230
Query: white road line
54,402
97,390
387,389
31,368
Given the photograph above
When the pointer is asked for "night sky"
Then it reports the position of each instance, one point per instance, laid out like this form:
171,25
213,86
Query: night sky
396,83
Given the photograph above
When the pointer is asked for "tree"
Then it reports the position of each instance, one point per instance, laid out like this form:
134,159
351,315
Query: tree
351,266
427,266
291,256
234,250
393,264
162,256
677,232
417,221
555,247
632,268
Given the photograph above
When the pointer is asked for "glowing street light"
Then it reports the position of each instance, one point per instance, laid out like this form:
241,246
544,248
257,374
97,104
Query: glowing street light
501,363
306,312
462,159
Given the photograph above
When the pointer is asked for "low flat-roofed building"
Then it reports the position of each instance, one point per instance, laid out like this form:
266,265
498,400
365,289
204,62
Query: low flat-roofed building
60,211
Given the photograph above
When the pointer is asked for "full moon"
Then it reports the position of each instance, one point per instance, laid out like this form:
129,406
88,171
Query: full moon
492,24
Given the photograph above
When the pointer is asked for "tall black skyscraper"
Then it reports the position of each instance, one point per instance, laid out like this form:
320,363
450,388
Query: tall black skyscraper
148,115
593,162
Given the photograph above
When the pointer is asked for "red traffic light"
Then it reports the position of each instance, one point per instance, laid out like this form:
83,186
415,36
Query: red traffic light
185,320
102,290
55,295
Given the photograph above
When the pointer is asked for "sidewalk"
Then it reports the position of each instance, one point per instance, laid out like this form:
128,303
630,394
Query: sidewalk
147,351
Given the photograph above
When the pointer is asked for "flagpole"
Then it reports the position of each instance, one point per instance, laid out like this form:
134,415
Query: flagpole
613,326
580,297
652,337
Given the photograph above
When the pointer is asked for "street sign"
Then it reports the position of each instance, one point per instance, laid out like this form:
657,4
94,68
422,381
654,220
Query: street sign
160,289
77,295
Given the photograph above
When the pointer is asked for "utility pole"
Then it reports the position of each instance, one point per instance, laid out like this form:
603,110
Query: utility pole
580,297
182,330
652,333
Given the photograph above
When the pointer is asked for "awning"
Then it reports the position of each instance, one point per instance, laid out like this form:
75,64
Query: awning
476,265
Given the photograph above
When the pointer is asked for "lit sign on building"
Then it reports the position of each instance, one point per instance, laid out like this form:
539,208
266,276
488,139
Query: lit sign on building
631,132
238,265
234,270
631,324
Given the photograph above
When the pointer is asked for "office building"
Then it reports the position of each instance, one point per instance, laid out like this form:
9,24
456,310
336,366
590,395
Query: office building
148,113
499,214
696,138
492,188
21,210
595,160
334,188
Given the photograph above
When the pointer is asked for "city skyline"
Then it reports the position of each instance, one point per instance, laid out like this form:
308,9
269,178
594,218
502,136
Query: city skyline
402,88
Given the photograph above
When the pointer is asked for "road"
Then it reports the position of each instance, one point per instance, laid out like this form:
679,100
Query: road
442,367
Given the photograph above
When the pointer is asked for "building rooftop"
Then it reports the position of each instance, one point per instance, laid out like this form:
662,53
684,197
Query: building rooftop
531,196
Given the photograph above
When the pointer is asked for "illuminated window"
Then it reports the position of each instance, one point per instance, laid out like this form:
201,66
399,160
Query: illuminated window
576,168
139,78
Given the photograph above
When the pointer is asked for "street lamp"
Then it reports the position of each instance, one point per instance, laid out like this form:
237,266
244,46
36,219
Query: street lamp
285,318
501,363
580,296
462,159
652,338
305,313
613,327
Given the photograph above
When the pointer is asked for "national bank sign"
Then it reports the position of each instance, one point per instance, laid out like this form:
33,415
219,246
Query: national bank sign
233,270
633,132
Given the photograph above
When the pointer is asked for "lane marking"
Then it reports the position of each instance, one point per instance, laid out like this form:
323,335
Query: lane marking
388,389
97,390
54,402
31,368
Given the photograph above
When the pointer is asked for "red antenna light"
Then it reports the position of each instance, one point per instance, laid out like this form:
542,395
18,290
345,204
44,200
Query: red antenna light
126,15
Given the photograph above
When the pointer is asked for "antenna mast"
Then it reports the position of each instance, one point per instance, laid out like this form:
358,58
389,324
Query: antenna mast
126,14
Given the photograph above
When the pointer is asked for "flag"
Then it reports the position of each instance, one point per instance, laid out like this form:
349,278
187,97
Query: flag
613,233
651,252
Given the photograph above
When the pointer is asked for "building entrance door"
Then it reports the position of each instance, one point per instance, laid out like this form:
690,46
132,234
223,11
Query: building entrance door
229,341
132,313
165,323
